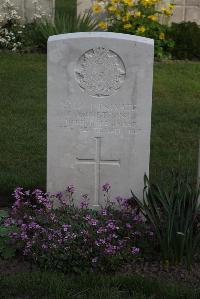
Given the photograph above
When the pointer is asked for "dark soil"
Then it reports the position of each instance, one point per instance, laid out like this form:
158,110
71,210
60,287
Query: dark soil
15,266
175,275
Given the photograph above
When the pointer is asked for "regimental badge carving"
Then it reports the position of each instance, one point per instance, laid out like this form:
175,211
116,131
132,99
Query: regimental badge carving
100,72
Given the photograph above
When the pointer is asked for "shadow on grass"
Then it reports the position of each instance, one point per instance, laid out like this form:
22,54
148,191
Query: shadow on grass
89,286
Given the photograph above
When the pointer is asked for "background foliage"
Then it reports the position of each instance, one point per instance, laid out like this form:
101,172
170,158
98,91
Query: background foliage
174,213
186,36
68,6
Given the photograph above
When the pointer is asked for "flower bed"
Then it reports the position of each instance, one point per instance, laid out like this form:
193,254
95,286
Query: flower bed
56,232
74,237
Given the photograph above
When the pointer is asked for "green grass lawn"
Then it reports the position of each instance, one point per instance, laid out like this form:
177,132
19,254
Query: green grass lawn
90,286
175,120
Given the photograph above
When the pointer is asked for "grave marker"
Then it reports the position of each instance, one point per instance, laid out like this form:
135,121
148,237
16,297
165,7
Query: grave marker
99,112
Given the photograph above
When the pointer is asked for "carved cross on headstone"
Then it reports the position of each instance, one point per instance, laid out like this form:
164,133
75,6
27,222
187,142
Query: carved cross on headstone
97,162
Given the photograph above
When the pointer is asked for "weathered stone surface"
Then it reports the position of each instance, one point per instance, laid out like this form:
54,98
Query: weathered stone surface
99,112
83,5
192,14
179,14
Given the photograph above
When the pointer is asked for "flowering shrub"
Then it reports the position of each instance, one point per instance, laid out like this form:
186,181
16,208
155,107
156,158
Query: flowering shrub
12,32
39,14
139,17
74,237
9,16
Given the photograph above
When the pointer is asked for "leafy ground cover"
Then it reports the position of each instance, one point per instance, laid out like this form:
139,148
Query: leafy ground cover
175,120
56,286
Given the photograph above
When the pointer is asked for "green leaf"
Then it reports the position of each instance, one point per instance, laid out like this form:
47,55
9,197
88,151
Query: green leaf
3,231
3,214
8,253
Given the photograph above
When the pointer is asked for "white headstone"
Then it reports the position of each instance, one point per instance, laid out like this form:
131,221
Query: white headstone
99,112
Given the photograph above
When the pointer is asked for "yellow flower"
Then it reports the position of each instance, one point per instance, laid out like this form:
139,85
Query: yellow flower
112,8
138,13
96,8
153,18
166,11
125,19
162,36
127,26
128,2
141,29
147,2
103,25
115,1
170,5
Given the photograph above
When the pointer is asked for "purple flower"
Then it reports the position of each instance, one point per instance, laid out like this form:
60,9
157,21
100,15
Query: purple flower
102,241
8,221
24,236
84,202
111,225
87,217
137,219
119,199
50,237
121,243
18,192
110,249
29,244
104,212
13,235
128,225
93,222
106,187
66,227
101,230
136,234
58,195
24,226
125,203
70,189
135,250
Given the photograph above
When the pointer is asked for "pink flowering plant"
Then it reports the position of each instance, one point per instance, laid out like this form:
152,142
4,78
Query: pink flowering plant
72,237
